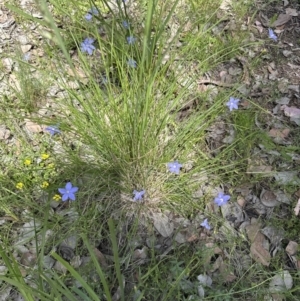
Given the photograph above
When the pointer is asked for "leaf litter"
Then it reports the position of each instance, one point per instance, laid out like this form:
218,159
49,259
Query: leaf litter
264,241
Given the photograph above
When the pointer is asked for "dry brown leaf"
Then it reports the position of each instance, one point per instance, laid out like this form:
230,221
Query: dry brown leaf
32,126
297,208
252,231
291,248
258,252
268,198
279,133
281,20
162,224
25,48
291,12
259,27
100,258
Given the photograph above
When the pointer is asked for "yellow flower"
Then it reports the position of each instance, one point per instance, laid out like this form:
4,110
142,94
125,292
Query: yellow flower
45,156
20,185
45,184
27,162
51,165
57,197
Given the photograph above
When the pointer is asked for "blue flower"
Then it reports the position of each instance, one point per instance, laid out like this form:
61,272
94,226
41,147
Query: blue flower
92,12
26,57
222,199
131,40
86,46
125,24
132,63
68,192
232,103
174,167
272,35
205,224
52,129
138,195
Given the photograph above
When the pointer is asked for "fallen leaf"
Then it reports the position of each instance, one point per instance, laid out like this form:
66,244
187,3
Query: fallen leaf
287,177
281,20
291,12
33,127
163,225
100,258
259,26
281,282
297,208
225,5
25,48
291,248
268,198
274,235
294,88
140,254
204,280
257,251
4,132
279,133
259,169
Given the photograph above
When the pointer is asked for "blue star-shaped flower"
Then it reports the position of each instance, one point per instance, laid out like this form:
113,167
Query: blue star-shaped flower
92,12
132,63
131,40
26,57
138,195
205,224
125,24
174,167
222,199
272,35
52,129
86,46
68,192
232,103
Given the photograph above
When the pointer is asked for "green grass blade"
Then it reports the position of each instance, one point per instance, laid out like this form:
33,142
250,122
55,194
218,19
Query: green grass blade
112,234
98,268
51,22
76,275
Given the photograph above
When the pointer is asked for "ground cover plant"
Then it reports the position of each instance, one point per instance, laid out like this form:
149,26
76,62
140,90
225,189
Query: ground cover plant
150,150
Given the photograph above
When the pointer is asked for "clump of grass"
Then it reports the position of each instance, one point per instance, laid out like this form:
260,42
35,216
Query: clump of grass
135,110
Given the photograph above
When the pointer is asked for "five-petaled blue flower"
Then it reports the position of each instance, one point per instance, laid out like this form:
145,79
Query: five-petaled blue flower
138,195
125,24
232,103
68,192
272,35
205,224
92,12
52,129
86,46
131,40
132,63
222,199
26,57
174,167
